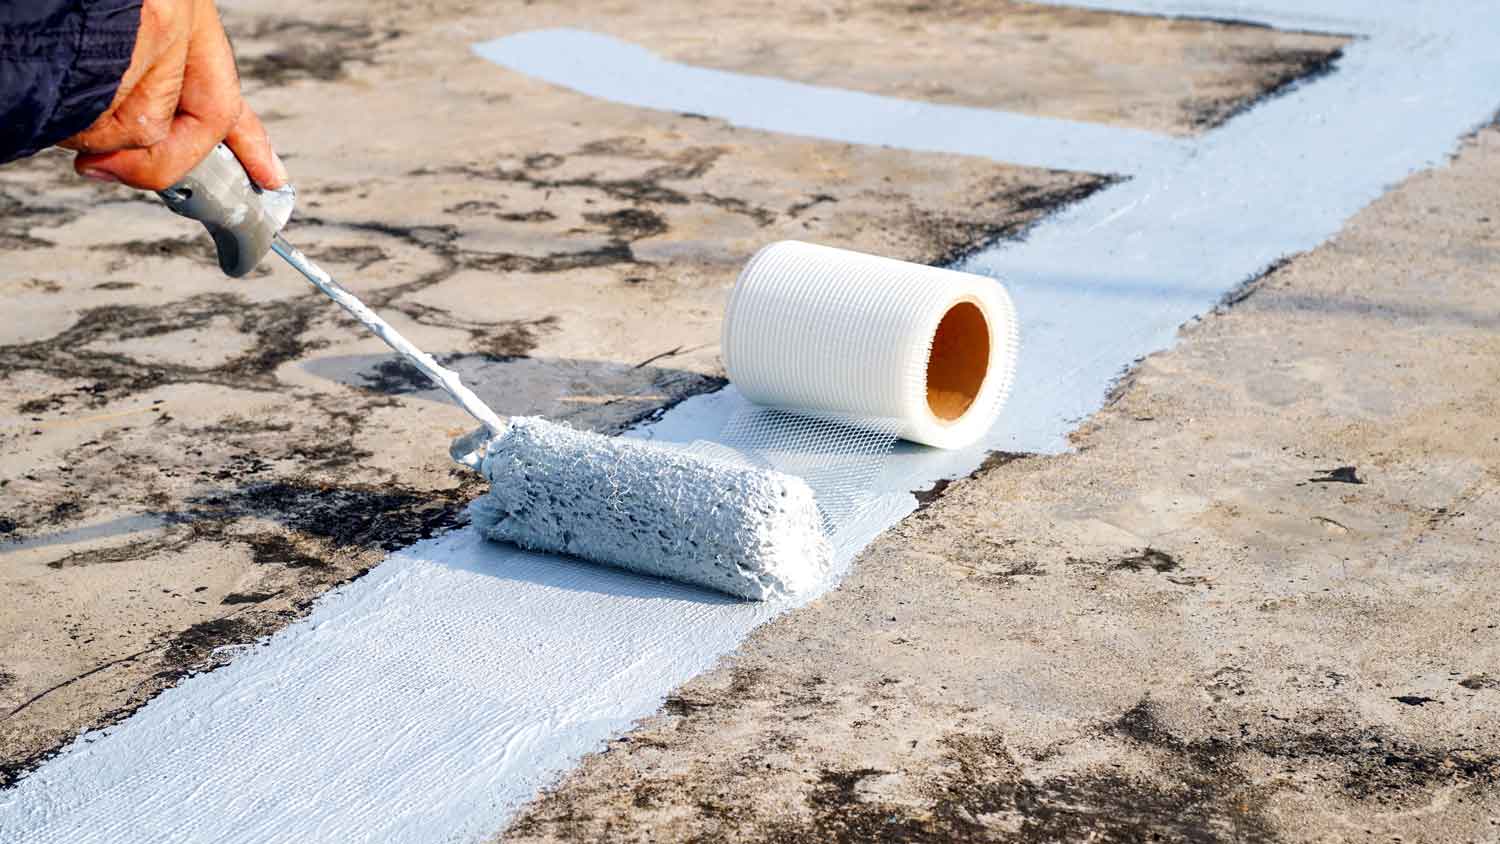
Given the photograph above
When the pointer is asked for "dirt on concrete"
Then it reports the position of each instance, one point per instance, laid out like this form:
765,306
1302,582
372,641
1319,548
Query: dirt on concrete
1257,602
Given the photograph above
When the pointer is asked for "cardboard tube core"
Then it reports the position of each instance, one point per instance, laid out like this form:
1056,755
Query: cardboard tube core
959,361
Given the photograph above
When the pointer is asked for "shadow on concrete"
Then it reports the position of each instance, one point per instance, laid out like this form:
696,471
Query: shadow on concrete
555,388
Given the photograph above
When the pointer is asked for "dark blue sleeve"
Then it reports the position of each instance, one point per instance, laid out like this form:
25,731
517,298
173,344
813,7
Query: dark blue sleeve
60,65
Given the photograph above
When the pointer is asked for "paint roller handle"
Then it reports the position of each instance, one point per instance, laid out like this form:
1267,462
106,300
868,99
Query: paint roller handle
242,218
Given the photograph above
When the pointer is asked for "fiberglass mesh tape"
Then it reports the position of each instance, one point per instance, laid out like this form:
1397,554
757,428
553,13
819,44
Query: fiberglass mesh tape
813,328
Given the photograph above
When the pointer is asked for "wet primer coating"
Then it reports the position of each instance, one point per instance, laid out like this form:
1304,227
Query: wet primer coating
740,530
429,700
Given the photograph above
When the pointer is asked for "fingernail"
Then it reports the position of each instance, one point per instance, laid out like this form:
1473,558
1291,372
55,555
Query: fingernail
101,176
281,176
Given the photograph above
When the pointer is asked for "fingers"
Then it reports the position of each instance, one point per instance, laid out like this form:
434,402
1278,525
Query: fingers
157,167
208,108
252,146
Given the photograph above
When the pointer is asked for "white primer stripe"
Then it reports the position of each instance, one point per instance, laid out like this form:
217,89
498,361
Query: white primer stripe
430,699
616,70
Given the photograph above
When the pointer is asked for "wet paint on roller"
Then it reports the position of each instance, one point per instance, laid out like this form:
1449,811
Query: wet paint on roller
665,512
430,699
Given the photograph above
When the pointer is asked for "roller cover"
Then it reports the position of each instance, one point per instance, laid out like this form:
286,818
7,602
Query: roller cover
816,328
744,531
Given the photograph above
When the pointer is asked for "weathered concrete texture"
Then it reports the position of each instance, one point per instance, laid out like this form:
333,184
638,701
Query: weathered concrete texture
1256,603
186,461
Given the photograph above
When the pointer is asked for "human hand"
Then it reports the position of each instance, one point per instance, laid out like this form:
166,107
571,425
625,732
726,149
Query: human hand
180,97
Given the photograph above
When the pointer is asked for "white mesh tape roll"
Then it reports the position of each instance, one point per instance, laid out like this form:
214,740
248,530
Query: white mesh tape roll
821,329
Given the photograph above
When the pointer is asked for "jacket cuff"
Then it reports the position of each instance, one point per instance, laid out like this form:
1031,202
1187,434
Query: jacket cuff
105,44
106,41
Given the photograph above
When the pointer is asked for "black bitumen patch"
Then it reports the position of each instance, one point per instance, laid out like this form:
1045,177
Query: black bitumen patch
1341,475
362,256
630,223
197,643
236,598
487,208
1178,789
1277,72
742,683
1200,795
1026,206
645,190
1150,558
395,376
1193,790
194,248
1248,288
75,354
993,461
320,521
307,50
18,216
797,209
1414,700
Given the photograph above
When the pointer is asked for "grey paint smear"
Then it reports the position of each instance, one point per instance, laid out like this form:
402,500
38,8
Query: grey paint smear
428,700
610,69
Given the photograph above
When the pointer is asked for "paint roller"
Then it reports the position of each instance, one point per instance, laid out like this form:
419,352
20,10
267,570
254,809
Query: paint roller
695,517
